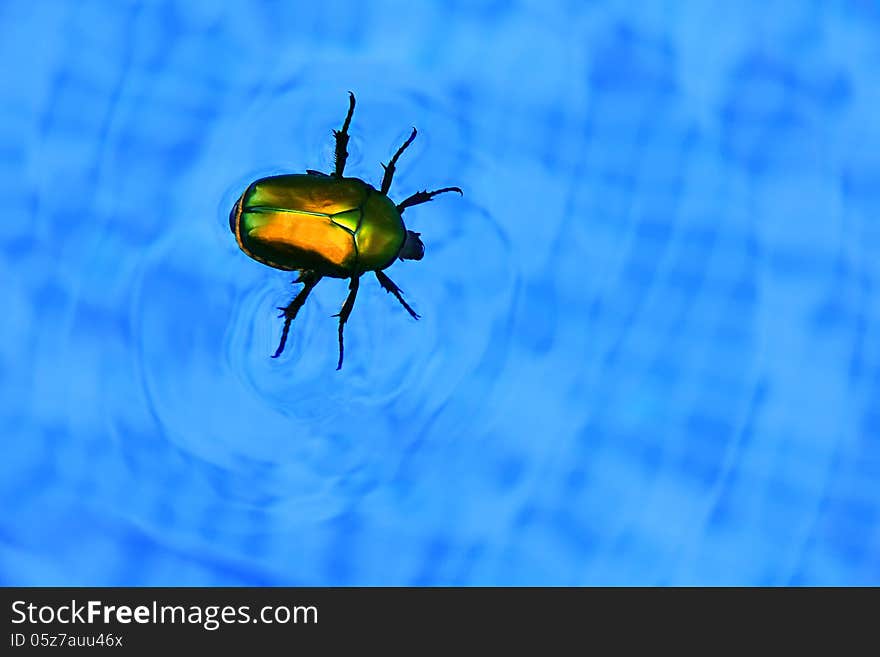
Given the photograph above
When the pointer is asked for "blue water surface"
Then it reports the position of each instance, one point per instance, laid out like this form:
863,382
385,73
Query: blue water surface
649,348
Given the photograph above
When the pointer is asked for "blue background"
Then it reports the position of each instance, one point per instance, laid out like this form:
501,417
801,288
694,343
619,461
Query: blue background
649,350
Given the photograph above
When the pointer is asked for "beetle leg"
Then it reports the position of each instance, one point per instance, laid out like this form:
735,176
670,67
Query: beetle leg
345,312
342,139
389,170
310,280
389,286
320,174
423,197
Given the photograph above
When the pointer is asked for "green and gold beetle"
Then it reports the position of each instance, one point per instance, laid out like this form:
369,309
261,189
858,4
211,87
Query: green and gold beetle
322,224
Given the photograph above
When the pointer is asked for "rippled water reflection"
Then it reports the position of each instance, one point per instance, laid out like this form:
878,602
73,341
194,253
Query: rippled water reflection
646,352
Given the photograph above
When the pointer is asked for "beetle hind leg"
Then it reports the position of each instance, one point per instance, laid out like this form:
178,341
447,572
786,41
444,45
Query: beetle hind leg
390,286
344,314
310,280
342,139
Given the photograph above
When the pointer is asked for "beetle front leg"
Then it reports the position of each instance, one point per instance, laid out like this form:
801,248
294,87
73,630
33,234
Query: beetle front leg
310,280
389,286
423,197
342,139
345,312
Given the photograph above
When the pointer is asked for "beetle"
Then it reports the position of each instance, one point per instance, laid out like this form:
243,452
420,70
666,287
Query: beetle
321,224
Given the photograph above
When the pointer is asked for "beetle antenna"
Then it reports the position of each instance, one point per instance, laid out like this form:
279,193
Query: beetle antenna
423,197
390,286
389,170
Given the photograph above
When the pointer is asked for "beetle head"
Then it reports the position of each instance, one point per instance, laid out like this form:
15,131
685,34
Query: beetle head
412,248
